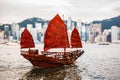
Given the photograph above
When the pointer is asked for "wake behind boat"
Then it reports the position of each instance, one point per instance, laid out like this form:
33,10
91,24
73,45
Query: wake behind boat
55,37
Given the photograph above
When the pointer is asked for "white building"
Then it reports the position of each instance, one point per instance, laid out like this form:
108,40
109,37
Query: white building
21,30
91,36
14,27
29,27
34,33
15,31
79,26
45,27
1,36
69,23
105,33
39,27
115,34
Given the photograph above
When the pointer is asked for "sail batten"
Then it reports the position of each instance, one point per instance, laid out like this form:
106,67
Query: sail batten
26,40
75,39
56,34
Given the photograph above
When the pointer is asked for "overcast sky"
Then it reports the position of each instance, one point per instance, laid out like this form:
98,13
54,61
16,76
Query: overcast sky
86,10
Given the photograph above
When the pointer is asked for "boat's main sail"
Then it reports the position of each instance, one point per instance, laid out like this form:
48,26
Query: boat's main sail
26,39
56,34
75,39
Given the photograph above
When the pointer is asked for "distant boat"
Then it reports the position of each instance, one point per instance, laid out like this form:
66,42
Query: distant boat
104,43
55,37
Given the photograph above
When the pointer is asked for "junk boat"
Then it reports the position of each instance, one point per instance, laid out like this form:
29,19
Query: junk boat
55,37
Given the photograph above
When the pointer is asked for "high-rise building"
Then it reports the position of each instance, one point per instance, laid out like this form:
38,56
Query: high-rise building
39,31
97,28
38,26
29,27
1,36
69,23
72,25
79,26
91,36
21,30
83,33
45,27
94,33
107,35
115,33
17,35
34,33
118,33
14,30
6,31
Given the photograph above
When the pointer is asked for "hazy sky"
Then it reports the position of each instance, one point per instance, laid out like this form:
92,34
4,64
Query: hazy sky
86,10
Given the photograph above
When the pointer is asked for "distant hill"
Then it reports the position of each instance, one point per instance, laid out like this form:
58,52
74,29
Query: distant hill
108,23
32,21
37,20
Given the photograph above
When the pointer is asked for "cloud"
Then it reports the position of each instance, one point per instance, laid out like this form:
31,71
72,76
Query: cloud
17,10
117,9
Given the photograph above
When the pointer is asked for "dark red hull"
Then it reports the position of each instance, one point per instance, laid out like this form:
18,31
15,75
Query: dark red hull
56,59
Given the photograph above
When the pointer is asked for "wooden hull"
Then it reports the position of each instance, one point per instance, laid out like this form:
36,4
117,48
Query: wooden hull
54,59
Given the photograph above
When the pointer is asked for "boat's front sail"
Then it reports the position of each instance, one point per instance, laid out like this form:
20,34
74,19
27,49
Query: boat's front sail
56,34
26,40
75,39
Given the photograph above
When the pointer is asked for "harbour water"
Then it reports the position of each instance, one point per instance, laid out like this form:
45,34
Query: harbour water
99,62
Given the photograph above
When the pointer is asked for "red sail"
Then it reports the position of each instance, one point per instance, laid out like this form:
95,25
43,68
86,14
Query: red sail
75,39
26,39
56,34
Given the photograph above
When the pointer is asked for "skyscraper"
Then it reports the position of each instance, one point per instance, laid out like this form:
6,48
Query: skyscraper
115,33
15,31
29,27
69,23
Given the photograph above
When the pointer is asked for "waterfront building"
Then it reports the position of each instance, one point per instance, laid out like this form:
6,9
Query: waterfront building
115,34
44,30
91,36
94,33
29,27
1,36
34,33
83,32
21,30
69,23
79,26
107,35
97,28
15,31
6,32
39,31
119,34
38,26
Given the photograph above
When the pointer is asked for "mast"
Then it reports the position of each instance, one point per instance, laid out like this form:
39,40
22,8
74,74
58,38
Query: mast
66,27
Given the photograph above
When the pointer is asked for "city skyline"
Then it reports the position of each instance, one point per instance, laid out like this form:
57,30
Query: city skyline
87,10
